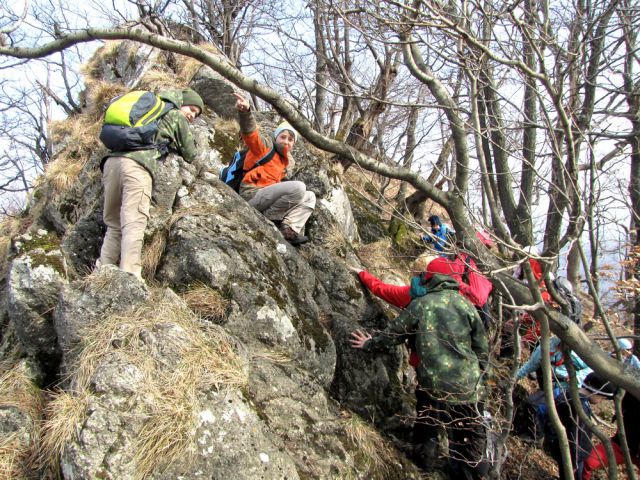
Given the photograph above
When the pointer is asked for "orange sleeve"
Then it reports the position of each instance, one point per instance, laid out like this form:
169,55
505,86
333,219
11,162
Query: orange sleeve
257,149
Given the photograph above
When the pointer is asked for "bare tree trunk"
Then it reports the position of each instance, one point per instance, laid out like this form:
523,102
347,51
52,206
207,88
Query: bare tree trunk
574,265
408,156
321,74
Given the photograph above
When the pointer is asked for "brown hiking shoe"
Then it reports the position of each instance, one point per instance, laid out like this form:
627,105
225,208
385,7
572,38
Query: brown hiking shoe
291,236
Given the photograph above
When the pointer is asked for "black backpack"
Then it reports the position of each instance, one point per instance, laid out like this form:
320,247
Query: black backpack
233,173
565,290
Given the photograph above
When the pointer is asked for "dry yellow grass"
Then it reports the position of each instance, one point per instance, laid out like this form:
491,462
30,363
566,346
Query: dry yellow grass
17,390
5,248
372,451
187,67
228,126
80,136
334,238
152,254
204,360
160,79
64,414
10,226
380,257
17,449
165,435
206,302
279,358
12,457
96,281
99,95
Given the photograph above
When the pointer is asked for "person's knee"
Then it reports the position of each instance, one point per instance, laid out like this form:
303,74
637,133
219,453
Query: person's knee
310,199
297,190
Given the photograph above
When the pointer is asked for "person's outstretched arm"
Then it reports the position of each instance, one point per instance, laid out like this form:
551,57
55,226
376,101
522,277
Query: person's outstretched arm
397,296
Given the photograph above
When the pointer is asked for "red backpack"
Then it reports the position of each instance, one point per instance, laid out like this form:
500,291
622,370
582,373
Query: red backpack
480,285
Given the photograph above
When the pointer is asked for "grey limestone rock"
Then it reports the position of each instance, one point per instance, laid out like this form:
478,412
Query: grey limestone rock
81,304
289,316
216,92
224,243
34,283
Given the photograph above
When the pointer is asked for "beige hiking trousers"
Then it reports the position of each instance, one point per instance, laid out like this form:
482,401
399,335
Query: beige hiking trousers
127,198
289,202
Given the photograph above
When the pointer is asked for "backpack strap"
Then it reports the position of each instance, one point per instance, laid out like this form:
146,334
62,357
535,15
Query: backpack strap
267,158
163,147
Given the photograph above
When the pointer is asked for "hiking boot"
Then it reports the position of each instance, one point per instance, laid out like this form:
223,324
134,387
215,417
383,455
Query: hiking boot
291,236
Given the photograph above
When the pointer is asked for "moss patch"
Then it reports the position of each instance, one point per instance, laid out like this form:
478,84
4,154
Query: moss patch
43,248
225,141
365,213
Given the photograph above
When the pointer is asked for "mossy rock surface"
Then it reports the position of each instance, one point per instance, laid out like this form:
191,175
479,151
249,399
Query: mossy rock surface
367,216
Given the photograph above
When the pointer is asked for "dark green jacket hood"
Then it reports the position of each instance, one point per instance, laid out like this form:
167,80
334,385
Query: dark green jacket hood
439,282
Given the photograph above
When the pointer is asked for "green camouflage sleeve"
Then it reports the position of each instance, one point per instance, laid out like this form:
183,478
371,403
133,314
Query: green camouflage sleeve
184,140
403,326
175,128
479,343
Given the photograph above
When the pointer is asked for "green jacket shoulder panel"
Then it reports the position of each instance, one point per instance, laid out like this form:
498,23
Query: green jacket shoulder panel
173,130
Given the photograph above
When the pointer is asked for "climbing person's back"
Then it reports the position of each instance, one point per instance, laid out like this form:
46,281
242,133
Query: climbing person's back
128,179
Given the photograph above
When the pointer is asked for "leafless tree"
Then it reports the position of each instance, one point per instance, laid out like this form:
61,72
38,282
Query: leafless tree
521,95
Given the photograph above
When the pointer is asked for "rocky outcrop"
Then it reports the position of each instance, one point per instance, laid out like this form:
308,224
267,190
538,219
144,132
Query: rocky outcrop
266,389
34,282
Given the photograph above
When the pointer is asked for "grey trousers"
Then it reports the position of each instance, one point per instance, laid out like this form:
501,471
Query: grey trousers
127,198
288,202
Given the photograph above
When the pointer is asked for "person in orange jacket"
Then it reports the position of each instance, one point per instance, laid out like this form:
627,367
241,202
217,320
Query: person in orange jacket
287,203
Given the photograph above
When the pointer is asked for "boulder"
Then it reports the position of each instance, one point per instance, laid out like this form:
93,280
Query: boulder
35,279
216,92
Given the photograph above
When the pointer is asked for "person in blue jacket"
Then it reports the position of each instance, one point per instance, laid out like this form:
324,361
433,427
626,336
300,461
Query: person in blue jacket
439,233
560,377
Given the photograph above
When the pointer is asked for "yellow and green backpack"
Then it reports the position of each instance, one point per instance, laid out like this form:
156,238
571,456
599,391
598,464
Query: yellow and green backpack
131,121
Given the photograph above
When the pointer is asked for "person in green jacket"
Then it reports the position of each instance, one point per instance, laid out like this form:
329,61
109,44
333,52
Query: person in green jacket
127,178
452,345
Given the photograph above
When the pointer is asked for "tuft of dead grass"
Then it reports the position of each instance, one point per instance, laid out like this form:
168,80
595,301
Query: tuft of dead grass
5,249
187,67
152,254
228,126
202,358
160,79
206,302
166,433
334,239
64,414
12,457
99,95
95,281
10,226
373,453
18,390
79,136
18,449
380,257
272,356
62,175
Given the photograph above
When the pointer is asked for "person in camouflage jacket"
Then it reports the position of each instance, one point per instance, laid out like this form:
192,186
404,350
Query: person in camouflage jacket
127,178
452,345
